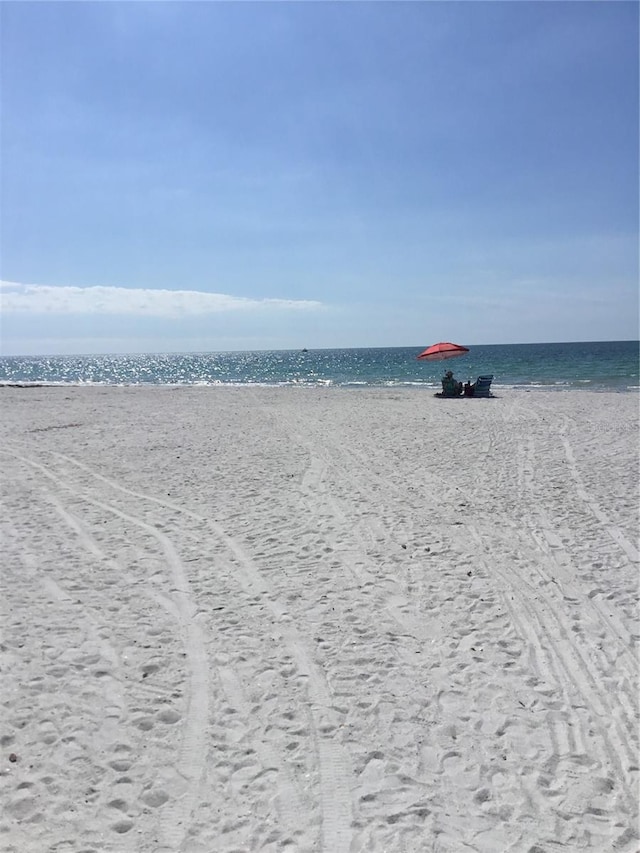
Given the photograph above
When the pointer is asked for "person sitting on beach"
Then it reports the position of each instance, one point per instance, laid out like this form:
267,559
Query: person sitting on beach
450,387
469,389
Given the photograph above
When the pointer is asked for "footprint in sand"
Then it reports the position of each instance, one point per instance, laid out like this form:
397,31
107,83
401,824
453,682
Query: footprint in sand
122,826
169,716
155,797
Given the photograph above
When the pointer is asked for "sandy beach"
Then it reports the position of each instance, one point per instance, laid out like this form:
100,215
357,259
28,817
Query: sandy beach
318,620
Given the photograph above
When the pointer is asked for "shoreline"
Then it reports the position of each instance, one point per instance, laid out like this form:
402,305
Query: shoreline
328,385
318,620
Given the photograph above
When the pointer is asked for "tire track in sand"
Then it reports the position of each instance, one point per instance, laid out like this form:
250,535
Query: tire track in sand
557,661
334,764
176,815
559,572
115,702
362,532
564,646
594,507
557,578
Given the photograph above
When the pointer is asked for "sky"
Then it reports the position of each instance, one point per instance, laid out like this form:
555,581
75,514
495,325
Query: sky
211,176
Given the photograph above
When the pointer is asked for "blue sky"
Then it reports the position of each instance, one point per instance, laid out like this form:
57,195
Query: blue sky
223,176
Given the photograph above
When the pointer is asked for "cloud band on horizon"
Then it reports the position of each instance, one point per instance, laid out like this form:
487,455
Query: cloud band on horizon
16,298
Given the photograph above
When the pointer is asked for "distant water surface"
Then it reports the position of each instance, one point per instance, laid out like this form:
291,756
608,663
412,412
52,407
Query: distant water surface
595,366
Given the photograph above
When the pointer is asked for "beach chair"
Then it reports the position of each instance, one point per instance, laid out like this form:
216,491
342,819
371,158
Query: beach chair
482,385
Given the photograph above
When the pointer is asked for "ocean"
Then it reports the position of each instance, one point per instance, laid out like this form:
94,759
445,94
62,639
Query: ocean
600,366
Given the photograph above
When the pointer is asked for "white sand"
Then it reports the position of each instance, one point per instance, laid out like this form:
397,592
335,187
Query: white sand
318,620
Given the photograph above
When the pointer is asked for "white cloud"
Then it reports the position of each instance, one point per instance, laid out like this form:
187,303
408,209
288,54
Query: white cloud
140,302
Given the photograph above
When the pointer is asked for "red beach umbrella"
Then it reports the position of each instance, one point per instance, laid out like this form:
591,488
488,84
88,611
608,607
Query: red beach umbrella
438,352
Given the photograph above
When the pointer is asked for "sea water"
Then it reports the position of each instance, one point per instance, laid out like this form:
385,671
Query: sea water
595,366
